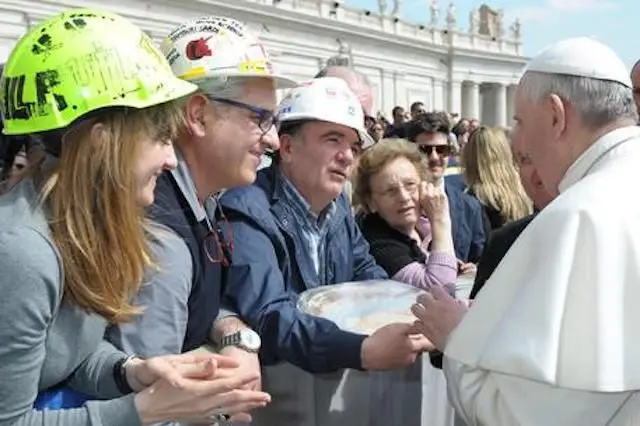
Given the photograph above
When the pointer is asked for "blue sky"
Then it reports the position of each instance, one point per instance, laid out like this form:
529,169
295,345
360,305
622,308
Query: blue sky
613,22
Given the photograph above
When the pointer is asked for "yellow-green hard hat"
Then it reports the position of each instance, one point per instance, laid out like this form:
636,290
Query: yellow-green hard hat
77,62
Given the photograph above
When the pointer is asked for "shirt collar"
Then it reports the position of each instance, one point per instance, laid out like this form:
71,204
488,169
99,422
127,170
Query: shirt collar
300,205
182,176
580,168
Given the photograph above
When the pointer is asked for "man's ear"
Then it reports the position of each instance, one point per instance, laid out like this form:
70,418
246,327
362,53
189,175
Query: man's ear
286,143
558,115
195,115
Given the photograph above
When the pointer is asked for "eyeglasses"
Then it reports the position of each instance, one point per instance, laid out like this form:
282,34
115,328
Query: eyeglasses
265,119
441,150
223,240
410,187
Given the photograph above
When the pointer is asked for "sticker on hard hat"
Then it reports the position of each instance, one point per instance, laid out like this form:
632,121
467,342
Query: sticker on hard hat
351,110
193,73
213,26
173,55
198,48
334,93
45,46
256,67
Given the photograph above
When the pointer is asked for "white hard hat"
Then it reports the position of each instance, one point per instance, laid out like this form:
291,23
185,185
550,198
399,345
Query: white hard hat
218,47
581,57
325,99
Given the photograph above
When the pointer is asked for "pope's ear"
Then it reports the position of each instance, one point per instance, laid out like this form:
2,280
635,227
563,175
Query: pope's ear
558,113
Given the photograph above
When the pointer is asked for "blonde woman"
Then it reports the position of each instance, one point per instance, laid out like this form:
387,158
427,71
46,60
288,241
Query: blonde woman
492,177
74,244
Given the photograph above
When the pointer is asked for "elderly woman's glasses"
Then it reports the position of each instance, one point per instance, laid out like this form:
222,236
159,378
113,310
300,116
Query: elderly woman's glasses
264,118
409,187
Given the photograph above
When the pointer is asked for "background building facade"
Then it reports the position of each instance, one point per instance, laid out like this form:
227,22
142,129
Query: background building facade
470,71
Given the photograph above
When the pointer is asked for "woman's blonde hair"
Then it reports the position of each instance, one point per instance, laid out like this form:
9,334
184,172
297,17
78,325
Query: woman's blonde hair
375,158
96,220
489,170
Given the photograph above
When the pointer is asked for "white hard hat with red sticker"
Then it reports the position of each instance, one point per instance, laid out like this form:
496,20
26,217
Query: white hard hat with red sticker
325,99
219,47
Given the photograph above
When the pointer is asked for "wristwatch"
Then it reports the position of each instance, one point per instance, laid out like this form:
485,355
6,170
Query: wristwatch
120,375
246,339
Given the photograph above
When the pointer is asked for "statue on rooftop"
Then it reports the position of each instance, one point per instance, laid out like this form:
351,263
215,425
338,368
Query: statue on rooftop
382,7
451,16
343,47
474,21
499,24
434,13
516,30
395,12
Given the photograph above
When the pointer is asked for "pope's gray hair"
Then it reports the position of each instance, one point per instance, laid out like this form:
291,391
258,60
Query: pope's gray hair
597,102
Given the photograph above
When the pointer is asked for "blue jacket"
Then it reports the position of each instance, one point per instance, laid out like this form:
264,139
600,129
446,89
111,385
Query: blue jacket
269,271
467,226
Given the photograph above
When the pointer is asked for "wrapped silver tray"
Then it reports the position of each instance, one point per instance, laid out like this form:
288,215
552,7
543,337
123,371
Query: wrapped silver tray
361,307
365,306
464,284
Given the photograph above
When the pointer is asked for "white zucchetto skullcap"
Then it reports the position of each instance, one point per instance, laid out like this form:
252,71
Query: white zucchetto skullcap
581,57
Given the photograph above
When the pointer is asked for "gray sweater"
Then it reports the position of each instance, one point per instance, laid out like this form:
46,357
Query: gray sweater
44,341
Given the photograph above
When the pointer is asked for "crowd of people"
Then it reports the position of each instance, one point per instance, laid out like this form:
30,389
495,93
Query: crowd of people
157,200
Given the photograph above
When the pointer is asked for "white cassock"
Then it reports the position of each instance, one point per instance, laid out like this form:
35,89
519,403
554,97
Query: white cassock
554,336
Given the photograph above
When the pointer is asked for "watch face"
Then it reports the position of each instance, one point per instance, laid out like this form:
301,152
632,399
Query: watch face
250,340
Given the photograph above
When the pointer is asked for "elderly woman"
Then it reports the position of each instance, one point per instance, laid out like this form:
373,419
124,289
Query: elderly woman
406,220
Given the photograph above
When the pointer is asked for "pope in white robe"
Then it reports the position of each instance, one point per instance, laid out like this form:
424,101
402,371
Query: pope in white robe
554,336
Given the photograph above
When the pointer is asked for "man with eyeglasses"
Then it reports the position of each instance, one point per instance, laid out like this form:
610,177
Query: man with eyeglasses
228,125
430,131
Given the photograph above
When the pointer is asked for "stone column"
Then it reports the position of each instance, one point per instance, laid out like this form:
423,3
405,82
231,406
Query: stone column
439,100
455,97
500,91
389,93
471,100
511,104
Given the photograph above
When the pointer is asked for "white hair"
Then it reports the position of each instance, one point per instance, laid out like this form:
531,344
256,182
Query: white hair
597,102
223,87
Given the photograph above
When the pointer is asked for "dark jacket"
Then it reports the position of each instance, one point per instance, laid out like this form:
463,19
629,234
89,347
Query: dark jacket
467,223
499,243
172,210
270,269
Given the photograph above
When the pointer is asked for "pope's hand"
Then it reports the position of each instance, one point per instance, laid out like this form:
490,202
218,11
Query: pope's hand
438,315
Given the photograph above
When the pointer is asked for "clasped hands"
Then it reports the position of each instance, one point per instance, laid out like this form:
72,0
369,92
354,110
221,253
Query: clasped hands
195,387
